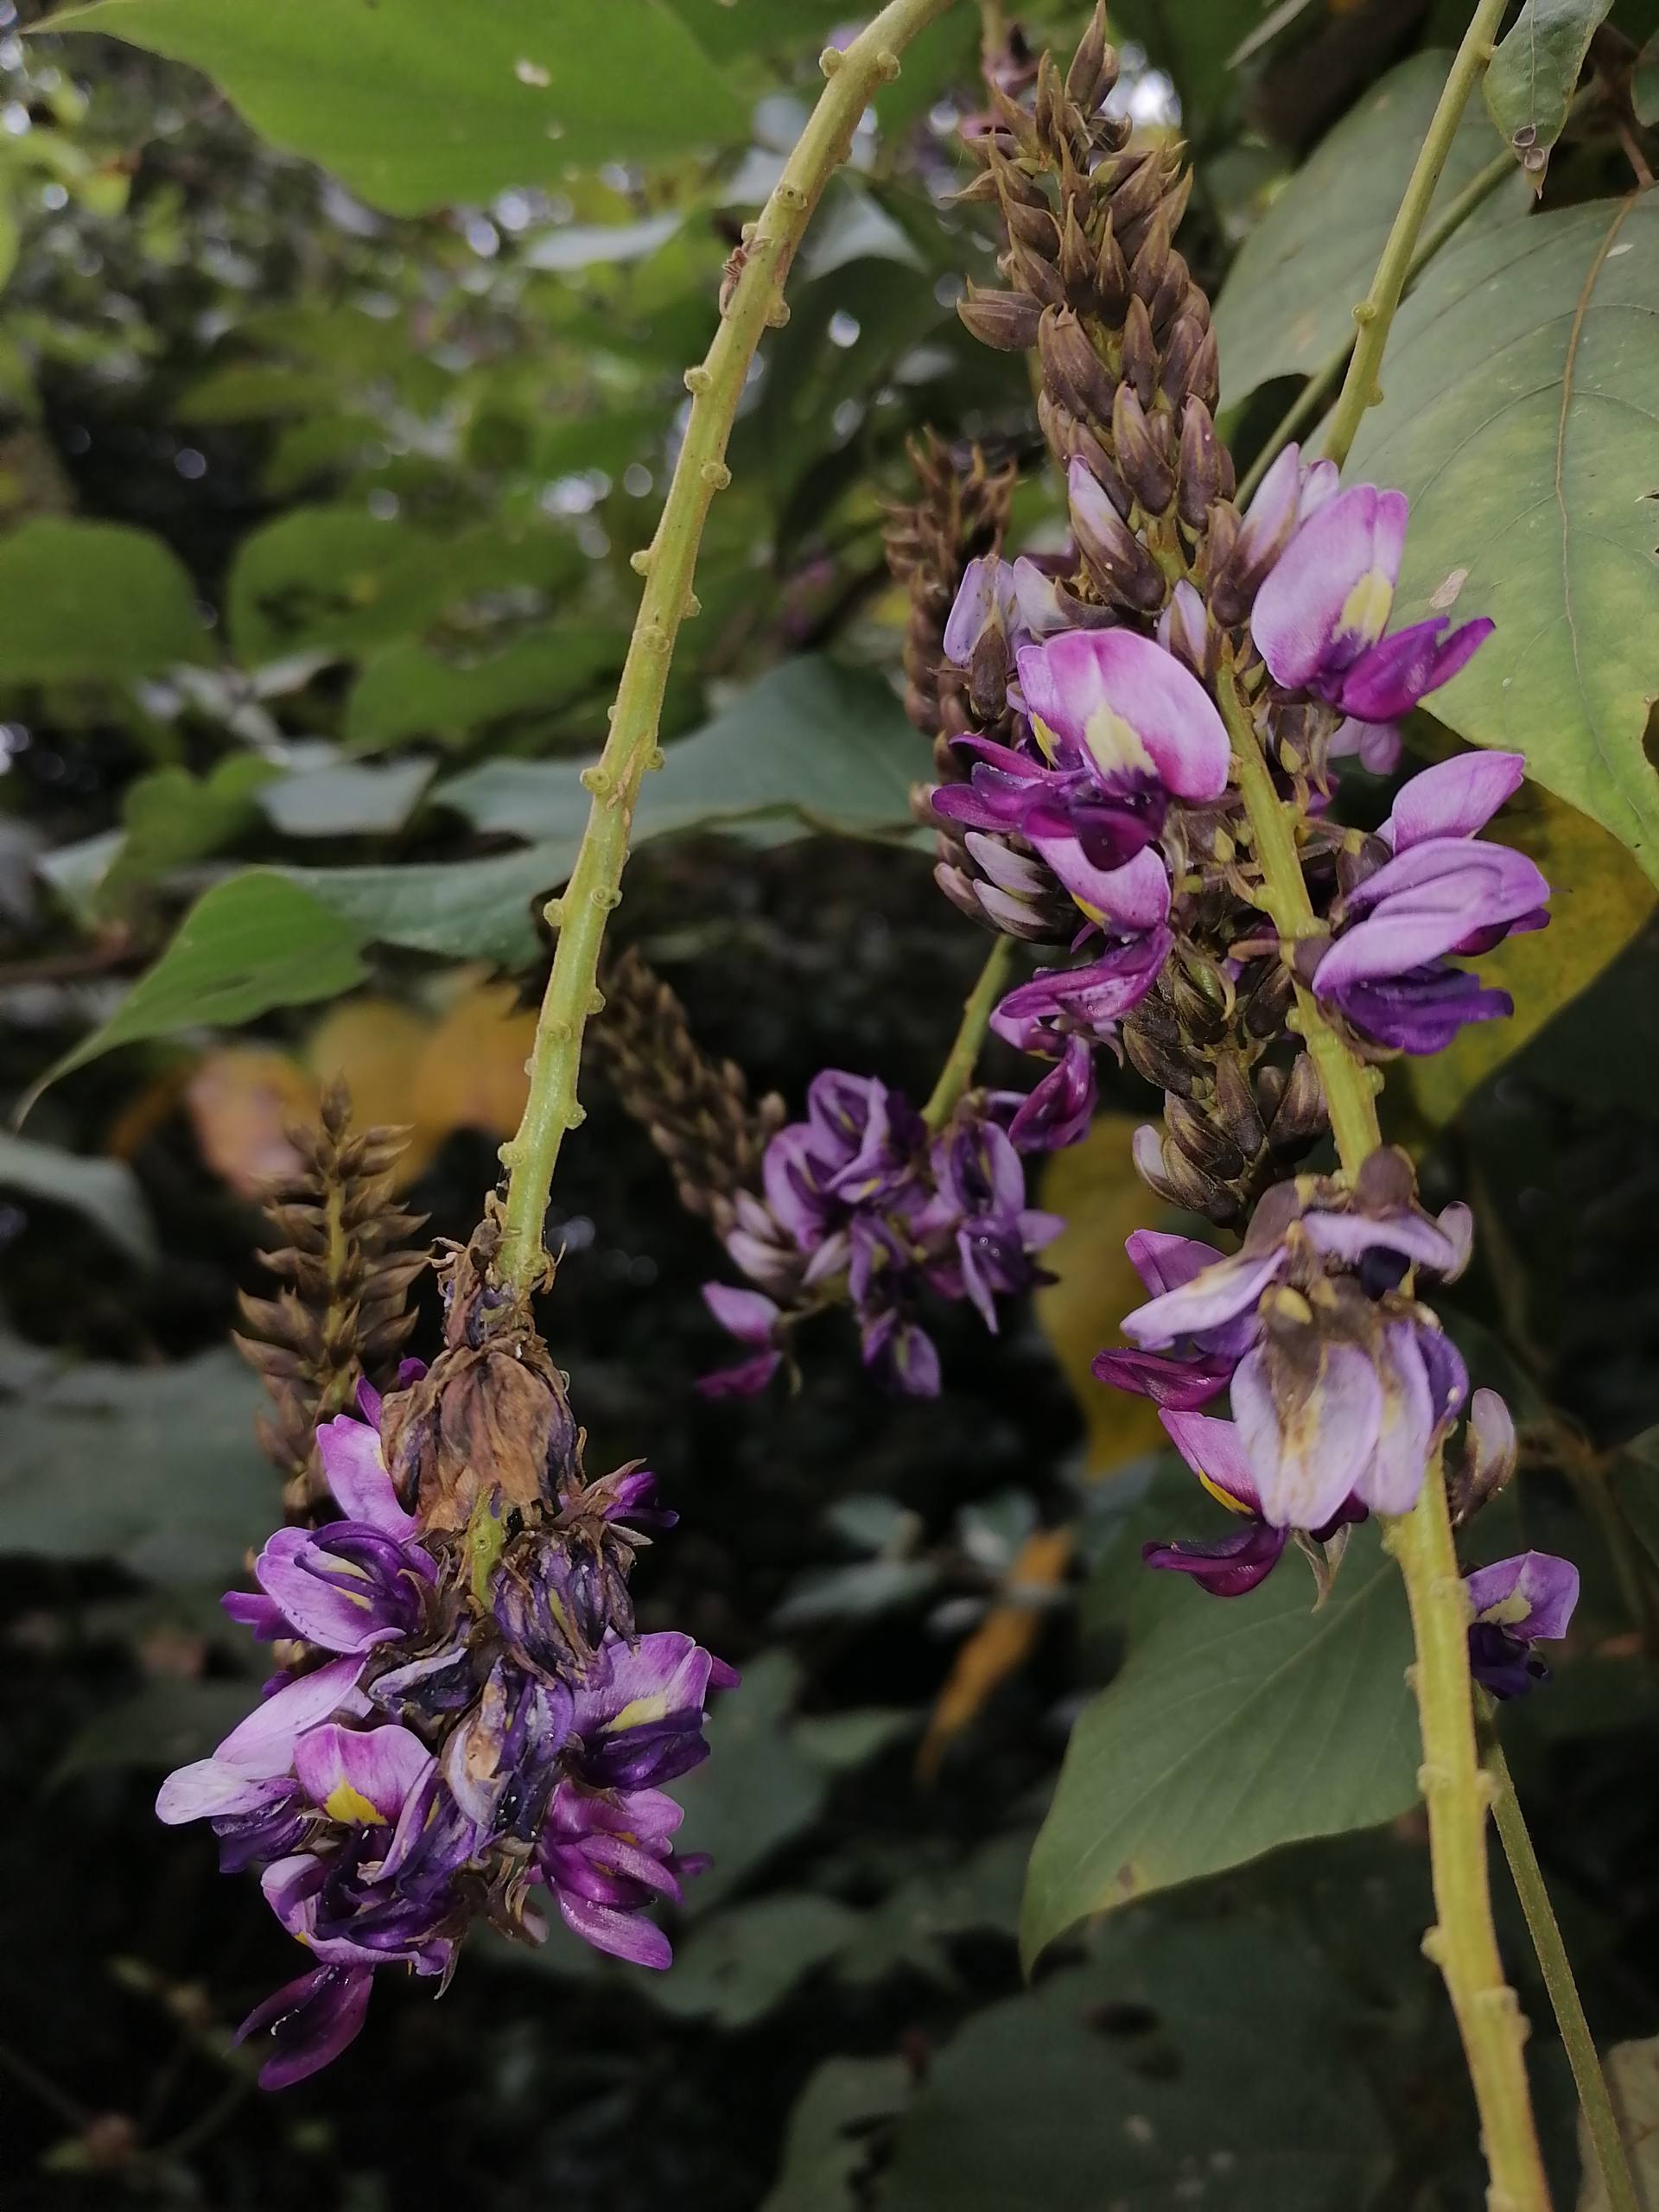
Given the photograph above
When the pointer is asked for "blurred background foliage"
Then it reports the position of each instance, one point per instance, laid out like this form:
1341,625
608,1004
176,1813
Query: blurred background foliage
340,361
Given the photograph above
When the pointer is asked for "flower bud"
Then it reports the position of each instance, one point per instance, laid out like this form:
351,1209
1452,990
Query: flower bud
1077,261
1111,277
1006,320
1094,66
1070,441
1034,227
1140,350
1136,188
1203,378
1072,369
1147,270
1174,294
1119,562
1148,475
1181,351
1033,274
1200,1140
1199,477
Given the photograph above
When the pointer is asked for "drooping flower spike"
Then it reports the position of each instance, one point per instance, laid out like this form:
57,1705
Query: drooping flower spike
448,1739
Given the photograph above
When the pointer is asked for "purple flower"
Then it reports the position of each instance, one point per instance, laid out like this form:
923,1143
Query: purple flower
1011,602
605,1854
309,2022
1233,1564
1517,1603
1318,619
980,1202
752,1318
1444,891
1059,1108
346,1587
640,1717
1200,1360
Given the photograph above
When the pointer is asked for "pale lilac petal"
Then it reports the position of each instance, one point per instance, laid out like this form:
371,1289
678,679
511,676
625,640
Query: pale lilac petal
210,1789
1215,1452
1165,1262
1393,1475
1221,1293
1457,1224
1131,708
357,1475
1454,798
263,1743
360,1776
1305,1471
1377,744
974,608
1490,1442
1351,1235
750,1316
1431,902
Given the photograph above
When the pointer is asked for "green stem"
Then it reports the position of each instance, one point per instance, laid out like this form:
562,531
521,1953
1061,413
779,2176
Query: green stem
1606,2140
1374,313
977,1010
1456,1792
668,565
1304,408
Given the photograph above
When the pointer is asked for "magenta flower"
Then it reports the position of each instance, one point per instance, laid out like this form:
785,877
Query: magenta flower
1517,1603
1319,619
1445,891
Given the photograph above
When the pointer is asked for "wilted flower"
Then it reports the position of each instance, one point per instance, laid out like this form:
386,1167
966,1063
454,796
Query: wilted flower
491,1723
1517,1603
1444,891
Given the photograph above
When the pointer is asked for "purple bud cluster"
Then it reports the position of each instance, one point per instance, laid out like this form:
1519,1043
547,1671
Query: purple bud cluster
462,1726
860,1204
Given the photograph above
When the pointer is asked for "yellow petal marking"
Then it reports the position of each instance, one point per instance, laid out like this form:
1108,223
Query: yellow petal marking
1366,611
343,1802
1116,745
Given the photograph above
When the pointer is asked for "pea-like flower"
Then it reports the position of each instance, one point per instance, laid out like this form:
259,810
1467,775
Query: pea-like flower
1232,1565
1518,1603
1434,888
456,1731
1319,619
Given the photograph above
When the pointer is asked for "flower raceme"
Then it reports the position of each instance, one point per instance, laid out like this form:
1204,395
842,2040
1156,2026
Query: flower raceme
453,1733
862,1205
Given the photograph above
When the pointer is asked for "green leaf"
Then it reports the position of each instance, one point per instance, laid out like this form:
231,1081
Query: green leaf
463,910
1521,413
1287,304
828,2141
251,944
823,745
410,691
1127,2082
1235,1726
736,1968
93,602
171,816
156,1467
1532,77
104,1190
346,799
1600,900
757,1790
411,114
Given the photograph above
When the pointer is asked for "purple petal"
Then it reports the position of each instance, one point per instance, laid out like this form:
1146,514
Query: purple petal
1351,1235
1331,590
1131,708
1454,798
1215,1452
1231,1567
1532,1595
1180,1384
1059,1110
623,1935
357,1477
1390,1482
1424,903
308,2022
751,1318
360,1776
1166,1263
263,1743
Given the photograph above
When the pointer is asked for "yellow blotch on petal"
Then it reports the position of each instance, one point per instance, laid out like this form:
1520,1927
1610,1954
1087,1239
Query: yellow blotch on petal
345,1803
1222,1496
1366,611
1045,736
642,1711
1116,745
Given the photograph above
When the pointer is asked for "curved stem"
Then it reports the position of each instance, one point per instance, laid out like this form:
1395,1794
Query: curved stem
1606,2140
667,563
1304,408
1374,313
958,1069
1456,1789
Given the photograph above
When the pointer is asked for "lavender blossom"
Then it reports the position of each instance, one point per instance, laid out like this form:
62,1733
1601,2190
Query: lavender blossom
1443,891
441,1746
1516,1604
1233,1564
862,1206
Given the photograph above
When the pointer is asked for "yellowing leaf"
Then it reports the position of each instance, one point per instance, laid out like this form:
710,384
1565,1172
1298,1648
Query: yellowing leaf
1095,1186
374,1046
997,1647
242,1099
471,1074
1600,899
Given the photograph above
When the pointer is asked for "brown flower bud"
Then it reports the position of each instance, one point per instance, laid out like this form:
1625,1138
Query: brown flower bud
1119,562
1140,350
1149,476
1094,66
1077,261
1006,320
1147,270
1111,277
1136,187
1203,378
1175,290
1034,227
1072,369
1236,1106
1033,274
1299,1117
1204,1144
1069,439
1198,476
1180,351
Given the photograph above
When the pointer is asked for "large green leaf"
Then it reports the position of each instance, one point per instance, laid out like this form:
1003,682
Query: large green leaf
1287,304
1533,75
824,745
1601,899
1522,415
91,602
249,944
414,106
105,1192
1235,1726
465,910
410,691
154,1467
1144,2080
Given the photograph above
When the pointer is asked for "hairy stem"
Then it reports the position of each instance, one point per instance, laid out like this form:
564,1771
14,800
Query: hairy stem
1606,2140
1374,313
1304,408
668,564
1456,1789
977,1007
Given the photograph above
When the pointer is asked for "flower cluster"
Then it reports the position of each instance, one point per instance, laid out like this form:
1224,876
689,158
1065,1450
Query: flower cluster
863,1203
464,1720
